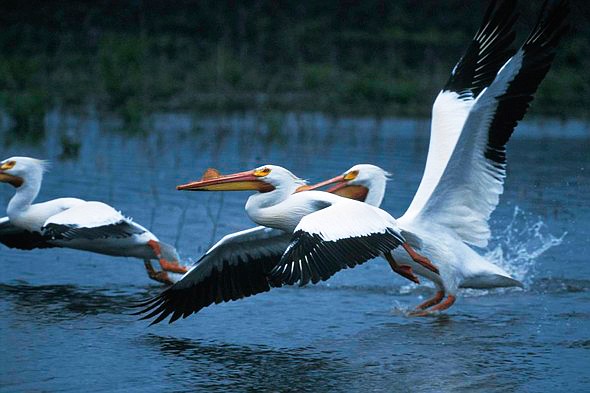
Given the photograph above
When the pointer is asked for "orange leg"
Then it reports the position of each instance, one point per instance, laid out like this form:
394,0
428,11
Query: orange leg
402,270
169,266
155,246
157,276
173,266
448,302
422,260
438,297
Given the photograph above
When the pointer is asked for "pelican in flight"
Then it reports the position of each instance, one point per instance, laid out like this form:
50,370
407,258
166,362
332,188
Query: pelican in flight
473,118
459,266
312,234
75,223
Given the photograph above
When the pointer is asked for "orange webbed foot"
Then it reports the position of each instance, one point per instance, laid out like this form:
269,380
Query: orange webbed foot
173,267
157,276
423,310
436,299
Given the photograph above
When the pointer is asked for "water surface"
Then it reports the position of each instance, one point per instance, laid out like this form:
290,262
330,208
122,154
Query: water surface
65,323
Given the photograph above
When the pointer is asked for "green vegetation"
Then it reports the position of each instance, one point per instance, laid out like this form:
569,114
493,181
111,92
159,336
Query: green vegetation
21,97
370,57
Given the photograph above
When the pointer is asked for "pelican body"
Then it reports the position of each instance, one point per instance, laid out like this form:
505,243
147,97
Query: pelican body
75,223
304,236
473,118
459,265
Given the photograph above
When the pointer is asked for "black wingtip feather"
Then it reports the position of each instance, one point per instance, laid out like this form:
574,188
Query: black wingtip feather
145,302
155,311
232,281
14,237
487,52
322,259
119,230
538,53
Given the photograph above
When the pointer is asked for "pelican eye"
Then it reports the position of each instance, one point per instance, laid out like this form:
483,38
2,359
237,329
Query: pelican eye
7,165
351,175
262,172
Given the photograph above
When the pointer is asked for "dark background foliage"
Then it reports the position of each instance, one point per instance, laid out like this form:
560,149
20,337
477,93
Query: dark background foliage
343,57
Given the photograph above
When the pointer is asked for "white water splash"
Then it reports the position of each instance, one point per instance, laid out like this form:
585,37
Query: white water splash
517,247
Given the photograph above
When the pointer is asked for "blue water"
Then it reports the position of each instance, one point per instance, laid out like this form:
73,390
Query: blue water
64,314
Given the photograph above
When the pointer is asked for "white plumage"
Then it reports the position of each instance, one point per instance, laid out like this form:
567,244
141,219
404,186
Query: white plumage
473,118
74,223
306,236
343,218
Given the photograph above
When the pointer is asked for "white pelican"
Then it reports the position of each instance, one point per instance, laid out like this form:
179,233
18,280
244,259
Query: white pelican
467,103
312,234
459,266
235,267
466,163
75,223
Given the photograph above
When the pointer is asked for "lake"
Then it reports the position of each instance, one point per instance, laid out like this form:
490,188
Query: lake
65,318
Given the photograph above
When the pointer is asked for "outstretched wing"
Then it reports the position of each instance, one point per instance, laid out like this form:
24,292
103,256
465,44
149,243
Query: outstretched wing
343,235
487,52
90,221
15,237
471,184
235,267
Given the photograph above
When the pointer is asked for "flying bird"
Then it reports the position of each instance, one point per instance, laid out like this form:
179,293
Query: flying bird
75,223
459,266
310,235
473,118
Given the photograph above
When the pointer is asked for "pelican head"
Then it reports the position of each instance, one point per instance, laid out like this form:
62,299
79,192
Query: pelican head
363,182
17,171
263,179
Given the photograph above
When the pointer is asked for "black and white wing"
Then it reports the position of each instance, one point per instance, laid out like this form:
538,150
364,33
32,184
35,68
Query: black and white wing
469,188
343,235
235,267
14,237
490,48
90,221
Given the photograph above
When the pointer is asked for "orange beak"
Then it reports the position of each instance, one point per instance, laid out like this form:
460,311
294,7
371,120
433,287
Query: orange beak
242,181
15,181
342,188
338,179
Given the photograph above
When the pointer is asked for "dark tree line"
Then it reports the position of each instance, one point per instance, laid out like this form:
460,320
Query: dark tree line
373,56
